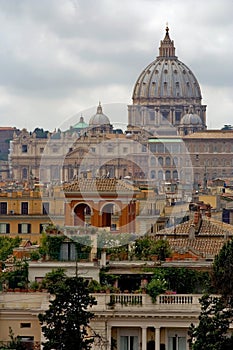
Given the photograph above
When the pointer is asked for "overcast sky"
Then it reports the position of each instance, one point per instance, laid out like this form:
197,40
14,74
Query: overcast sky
58,58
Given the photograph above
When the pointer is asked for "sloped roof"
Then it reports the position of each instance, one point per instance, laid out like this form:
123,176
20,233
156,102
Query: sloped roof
207,242
96,185
209,227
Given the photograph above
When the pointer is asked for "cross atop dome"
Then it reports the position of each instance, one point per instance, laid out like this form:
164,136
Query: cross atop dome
167,48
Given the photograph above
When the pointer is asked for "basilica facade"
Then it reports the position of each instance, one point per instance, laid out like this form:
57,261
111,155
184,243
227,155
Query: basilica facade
166,139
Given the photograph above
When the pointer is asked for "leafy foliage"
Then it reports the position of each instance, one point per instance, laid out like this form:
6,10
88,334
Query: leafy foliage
212,332
214,321
51,245
155,287
41,133
223,270
14,343
54,280
17,276
83,245
35,255
65,323
147,246
6,246
183,280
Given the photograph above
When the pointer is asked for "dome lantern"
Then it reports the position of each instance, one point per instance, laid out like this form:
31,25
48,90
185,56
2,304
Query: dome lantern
167,48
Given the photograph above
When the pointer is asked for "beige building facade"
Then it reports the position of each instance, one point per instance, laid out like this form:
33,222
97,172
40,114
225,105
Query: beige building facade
120,320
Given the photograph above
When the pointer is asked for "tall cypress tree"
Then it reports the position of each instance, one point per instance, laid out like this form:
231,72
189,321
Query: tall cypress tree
212,331
65,323
223,271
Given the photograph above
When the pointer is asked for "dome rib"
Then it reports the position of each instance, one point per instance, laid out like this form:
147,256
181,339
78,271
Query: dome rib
167,78
174,74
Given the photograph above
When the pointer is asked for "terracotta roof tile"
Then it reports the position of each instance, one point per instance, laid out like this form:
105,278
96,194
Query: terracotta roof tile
99,185
207,243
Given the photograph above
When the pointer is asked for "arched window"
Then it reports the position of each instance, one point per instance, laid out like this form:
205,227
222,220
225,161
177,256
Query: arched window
175,161
160,175
152,161
175,175
167,175
160,160
168,161
152,174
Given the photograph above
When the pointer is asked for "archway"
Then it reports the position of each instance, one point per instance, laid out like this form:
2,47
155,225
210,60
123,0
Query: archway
110,216
82,215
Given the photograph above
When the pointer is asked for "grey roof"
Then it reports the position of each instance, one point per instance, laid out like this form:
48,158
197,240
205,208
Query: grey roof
191,119
166,77
99,118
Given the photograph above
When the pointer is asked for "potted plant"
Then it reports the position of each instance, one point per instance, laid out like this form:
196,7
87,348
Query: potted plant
155,287
35,255
34,286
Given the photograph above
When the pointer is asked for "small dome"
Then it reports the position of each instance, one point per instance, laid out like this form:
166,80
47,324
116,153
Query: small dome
99,118
81,124
191,119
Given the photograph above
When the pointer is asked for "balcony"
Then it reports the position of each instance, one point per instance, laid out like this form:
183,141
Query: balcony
142,303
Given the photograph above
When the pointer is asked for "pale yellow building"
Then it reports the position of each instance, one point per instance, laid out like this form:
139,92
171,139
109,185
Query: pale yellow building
24,212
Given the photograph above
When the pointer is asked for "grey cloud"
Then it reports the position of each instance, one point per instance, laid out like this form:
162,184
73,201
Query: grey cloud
55,49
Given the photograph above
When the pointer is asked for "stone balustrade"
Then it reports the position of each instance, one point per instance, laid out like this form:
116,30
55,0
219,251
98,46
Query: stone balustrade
143,302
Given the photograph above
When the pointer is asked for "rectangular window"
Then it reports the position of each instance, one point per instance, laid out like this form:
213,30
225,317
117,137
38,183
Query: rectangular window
3,208
25,325
160,148
177,343
24,148
24,208
24,228
4,228
129,342
45,208
41,149
153,147
27,342
152,116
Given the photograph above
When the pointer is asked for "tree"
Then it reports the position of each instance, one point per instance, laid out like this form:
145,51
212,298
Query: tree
212,331
16,276
65,323
6,246
223,270
14,343
227,127
147,246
